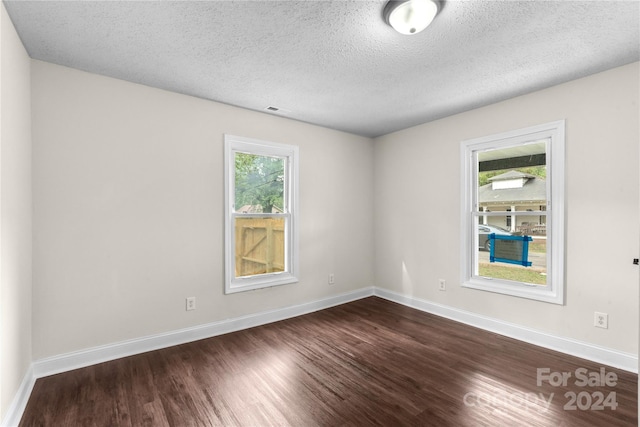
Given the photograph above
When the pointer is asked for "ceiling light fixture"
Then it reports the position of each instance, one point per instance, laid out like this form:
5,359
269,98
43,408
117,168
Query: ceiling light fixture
410,16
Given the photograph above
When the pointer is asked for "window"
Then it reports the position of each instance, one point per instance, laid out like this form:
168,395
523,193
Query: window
513,213
261,193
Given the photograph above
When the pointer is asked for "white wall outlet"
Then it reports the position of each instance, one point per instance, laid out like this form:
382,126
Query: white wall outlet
601,320
332,279
442,285
191,303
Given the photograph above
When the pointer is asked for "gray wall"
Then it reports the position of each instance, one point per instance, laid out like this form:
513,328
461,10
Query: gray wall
15,212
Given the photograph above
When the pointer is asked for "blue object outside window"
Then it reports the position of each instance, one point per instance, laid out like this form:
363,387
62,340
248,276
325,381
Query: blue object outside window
510,249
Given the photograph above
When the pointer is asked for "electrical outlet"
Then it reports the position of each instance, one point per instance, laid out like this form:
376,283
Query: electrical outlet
332,279
442,285
601,320
191,303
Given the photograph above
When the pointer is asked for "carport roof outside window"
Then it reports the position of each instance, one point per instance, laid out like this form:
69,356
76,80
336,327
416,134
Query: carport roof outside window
411,16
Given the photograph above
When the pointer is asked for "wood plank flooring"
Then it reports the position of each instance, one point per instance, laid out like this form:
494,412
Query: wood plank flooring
366,363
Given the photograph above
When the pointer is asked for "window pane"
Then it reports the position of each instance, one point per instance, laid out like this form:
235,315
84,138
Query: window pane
537,254
513,179
259,184
260,246
509,179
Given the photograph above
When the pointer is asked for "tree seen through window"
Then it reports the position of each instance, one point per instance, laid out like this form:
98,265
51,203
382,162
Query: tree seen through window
259,183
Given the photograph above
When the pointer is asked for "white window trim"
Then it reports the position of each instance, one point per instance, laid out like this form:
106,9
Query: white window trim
554,292
233,144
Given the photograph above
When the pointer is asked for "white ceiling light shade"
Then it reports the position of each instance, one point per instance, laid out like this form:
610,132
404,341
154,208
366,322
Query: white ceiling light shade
410,16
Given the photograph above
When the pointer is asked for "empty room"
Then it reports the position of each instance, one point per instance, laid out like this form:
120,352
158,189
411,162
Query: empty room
319,213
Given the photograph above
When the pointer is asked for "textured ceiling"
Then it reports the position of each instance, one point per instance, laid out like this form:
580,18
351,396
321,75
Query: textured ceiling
335,63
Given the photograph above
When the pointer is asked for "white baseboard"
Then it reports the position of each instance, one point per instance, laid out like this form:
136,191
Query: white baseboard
19,403
607,356
91,356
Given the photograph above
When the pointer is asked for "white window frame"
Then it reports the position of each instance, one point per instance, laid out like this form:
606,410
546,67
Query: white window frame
554,291
236,144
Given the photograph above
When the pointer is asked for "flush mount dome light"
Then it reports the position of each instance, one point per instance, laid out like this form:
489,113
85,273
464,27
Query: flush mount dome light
410,16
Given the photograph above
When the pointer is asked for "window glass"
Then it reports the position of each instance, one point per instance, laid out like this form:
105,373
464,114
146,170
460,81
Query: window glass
259,245
521,191
259,183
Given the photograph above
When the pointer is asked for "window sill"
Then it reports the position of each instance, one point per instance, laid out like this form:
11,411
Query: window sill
516,289
259,282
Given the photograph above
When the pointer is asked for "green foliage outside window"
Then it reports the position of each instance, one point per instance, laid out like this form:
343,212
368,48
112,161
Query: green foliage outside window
259,182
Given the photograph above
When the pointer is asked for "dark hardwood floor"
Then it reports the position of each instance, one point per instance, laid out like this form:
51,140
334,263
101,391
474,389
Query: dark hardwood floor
370,362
